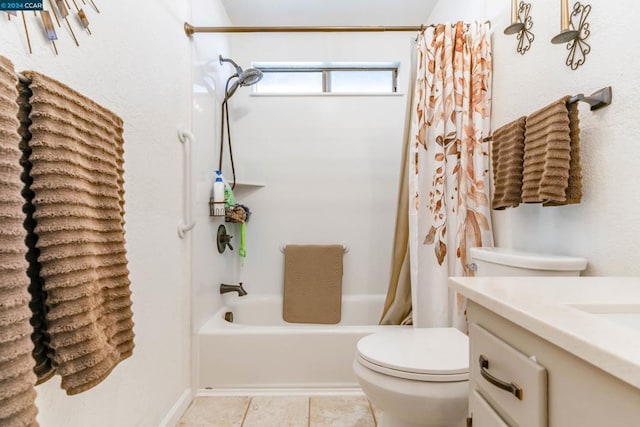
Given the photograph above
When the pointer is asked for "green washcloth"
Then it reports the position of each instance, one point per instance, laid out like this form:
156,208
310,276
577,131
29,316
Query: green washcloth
243,237
229,198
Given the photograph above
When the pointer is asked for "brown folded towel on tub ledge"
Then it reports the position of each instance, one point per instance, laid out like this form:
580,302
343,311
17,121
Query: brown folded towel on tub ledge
17,380
312,284
75,154
552,174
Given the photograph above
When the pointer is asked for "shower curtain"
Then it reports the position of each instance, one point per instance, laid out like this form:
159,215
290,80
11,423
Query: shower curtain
397,306
448,173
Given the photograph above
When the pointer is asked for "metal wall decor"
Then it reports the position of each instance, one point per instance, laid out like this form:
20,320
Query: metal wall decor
521,24
574,31
60,10
578,47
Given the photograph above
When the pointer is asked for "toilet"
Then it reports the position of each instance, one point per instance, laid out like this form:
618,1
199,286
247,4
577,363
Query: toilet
418,377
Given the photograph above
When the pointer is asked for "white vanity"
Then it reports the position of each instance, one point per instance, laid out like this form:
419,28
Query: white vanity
553,351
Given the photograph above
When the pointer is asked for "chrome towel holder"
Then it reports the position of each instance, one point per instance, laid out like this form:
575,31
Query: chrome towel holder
598,99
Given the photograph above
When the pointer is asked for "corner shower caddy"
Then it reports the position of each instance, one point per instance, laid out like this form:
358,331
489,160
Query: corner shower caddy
239,187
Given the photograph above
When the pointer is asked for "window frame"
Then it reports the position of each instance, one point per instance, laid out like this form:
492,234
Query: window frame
326,69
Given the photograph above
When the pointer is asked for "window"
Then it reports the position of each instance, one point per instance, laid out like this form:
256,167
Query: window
322,77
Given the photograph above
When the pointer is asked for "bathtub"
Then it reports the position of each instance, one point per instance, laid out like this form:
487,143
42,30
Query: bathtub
259,350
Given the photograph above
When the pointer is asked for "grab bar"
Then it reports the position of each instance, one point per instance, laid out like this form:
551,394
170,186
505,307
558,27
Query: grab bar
187,223
344,247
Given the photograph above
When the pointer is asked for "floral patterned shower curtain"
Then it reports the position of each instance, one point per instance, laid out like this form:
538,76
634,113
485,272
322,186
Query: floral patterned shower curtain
449,208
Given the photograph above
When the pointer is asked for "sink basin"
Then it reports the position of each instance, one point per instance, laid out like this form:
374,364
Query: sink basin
623,314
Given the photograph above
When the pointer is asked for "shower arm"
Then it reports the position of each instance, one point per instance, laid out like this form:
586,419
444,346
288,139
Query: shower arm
236,66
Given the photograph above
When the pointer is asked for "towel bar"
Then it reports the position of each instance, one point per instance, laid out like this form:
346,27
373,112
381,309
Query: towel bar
344,247
598,99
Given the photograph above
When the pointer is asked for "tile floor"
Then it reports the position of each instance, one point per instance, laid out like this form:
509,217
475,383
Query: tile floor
293,411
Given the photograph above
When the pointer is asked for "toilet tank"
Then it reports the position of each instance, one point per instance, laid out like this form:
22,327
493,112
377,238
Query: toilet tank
507,262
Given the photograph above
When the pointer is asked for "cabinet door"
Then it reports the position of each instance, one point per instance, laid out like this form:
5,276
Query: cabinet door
482,413
514,383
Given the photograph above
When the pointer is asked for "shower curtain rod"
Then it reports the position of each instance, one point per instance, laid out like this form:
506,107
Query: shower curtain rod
190,29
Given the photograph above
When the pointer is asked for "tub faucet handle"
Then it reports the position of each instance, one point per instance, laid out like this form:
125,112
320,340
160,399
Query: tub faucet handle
223,239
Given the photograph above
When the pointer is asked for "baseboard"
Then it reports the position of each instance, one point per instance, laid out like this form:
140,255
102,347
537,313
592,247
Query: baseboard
177,410
280,391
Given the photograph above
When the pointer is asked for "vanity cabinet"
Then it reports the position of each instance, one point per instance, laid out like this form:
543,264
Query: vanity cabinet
520,379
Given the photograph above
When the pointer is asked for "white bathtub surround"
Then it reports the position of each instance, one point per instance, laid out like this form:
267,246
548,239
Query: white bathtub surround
449,208
329,162
582,315
260,351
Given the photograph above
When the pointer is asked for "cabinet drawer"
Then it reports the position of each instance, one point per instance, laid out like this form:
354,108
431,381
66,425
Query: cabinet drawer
515,384
482,413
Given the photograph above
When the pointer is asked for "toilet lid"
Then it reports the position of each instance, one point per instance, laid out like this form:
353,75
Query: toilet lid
429,354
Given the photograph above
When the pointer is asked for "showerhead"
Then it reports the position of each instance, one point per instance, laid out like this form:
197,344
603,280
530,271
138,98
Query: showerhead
248,77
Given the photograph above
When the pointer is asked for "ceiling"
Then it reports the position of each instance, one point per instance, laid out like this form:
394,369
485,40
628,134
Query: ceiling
328,12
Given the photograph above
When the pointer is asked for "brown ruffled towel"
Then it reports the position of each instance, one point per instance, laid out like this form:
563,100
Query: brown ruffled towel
75,154
573,192
507,153
41,352
552,156
17,380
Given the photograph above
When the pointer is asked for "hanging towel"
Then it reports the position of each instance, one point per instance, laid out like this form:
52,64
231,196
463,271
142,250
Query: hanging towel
75,155
17,380
312,284
507,154
547,155
41,352
574,188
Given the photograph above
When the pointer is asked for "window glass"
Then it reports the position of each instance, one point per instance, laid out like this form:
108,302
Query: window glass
361,81
290,82
327,77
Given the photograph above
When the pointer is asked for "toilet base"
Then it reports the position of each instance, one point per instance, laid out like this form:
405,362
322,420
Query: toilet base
407,403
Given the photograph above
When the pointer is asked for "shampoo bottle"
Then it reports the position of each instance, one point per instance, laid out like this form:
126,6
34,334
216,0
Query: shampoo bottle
218,195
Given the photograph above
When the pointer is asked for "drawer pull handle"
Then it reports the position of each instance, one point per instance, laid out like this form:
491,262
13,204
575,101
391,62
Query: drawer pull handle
512,388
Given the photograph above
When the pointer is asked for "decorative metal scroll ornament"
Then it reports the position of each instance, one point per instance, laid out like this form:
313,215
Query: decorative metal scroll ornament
578,47
521,24
525,37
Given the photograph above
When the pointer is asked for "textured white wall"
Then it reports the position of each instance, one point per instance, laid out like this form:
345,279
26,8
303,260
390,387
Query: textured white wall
604,227
330,164
136,63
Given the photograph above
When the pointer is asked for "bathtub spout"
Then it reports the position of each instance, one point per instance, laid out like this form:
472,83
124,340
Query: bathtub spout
224,288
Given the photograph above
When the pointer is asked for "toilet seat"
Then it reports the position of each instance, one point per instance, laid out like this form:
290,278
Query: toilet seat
420,354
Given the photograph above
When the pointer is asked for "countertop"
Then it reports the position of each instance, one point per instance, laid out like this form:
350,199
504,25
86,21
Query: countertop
582,315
